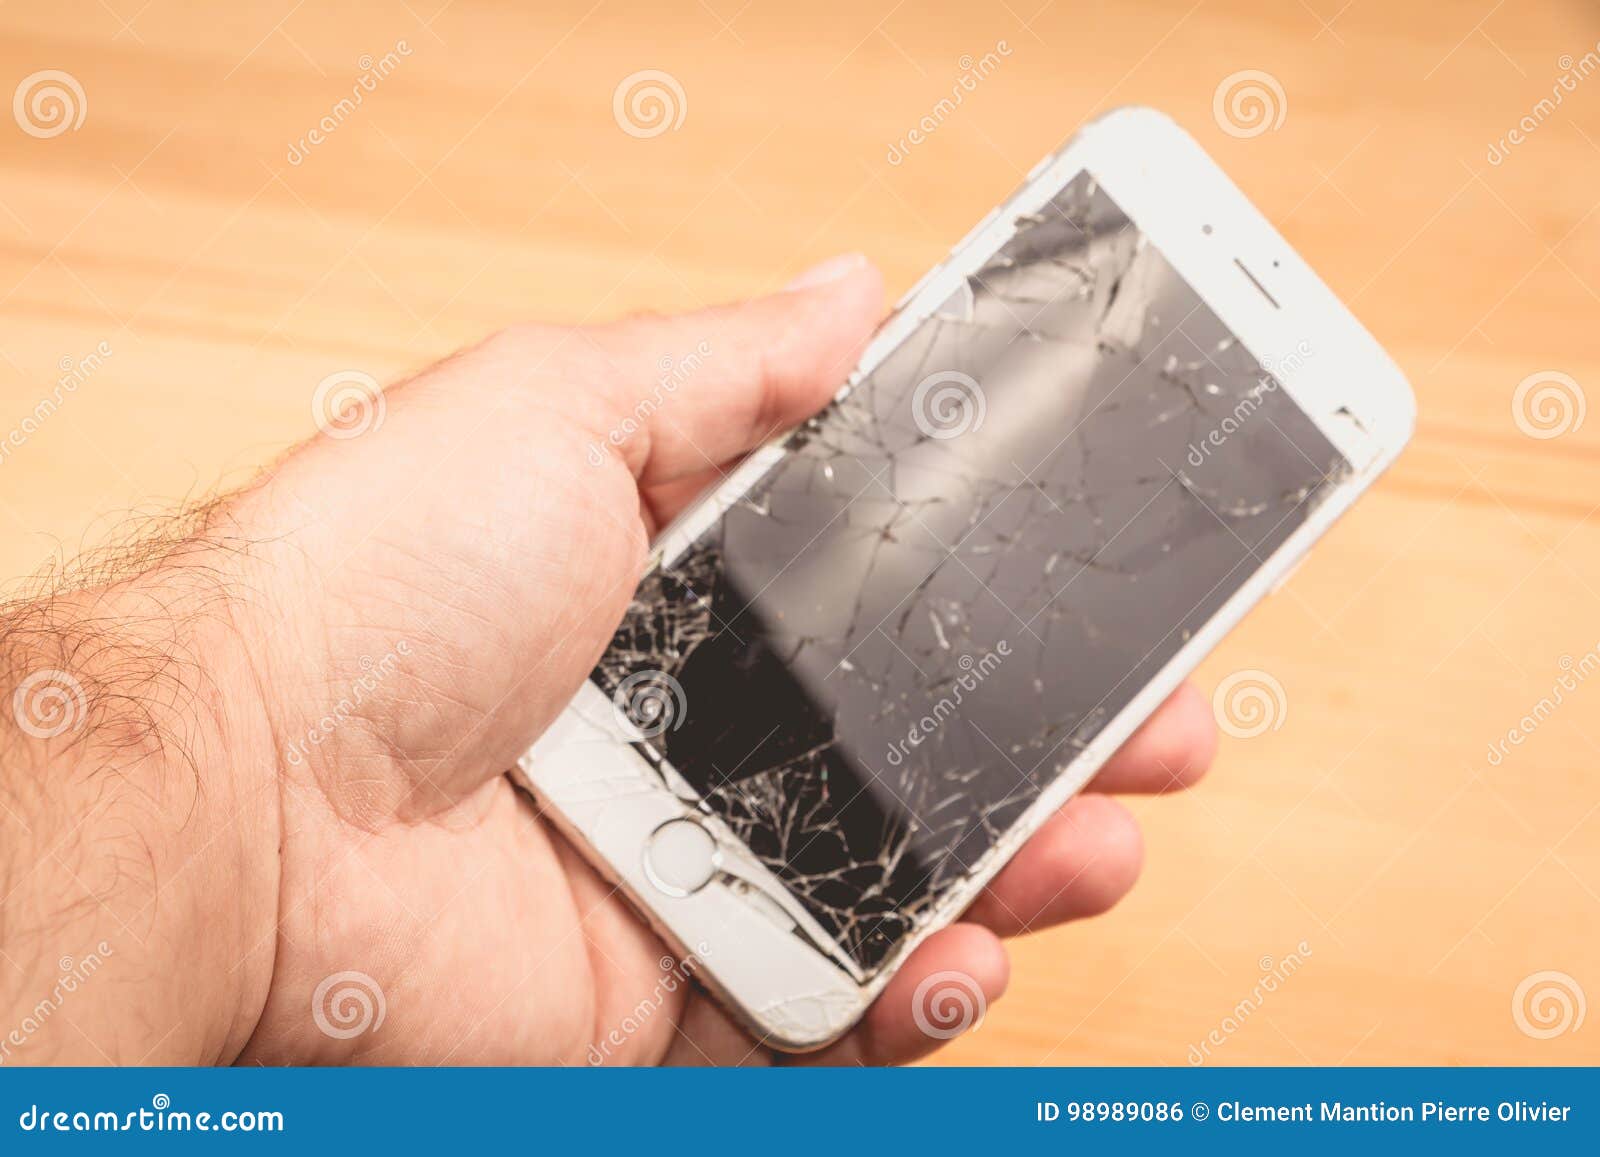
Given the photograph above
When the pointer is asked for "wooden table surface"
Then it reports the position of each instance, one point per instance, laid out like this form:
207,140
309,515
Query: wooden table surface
484,179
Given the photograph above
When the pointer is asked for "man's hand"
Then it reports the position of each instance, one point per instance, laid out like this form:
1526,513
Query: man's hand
286,729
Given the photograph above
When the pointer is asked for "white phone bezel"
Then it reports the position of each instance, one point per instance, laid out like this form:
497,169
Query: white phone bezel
752,943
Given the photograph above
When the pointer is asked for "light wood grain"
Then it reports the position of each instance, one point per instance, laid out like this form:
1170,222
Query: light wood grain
486,181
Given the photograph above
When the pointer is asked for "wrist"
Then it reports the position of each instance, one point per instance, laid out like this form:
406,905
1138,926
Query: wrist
143,821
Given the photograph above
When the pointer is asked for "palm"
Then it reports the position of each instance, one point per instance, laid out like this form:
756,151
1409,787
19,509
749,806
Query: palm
488,940
409,866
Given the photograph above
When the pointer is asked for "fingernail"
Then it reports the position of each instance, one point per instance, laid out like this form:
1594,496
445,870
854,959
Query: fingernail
832,269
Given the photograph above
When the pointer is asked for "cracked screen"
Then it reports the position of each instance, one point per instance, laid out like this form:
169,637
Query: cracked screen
961,571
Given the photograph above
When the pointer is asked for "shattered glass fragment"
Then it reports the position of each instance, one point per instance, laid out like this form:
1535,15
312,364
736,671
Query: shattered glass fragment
962,570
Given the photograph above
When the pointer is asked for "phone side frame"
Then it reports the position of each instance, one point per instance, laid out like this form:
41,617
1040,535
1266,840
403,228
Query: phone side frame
607,797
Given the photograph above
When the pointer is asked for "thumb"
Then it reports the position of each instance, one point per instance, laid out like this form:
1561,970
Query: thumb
694,391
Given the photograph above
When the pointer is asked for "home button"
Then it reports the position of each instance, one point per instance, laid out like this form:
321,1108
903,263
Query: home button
680,857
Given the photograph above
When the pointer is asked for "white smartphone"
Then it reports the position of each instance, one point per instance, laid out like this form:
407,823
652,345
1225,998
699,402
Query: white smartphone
865,668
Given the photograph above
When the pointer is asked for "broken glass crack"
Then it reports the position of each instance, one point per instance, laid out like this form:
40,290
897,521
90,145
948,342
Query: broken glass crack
961,571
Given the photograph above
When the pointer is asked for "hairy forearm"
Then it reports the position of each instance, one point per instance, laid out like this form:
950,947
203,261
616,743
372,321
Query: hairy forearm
139,814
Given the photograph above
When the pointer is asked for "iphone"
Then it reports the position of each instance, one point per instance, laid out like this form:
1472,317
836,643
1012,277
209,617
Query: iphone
867,666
